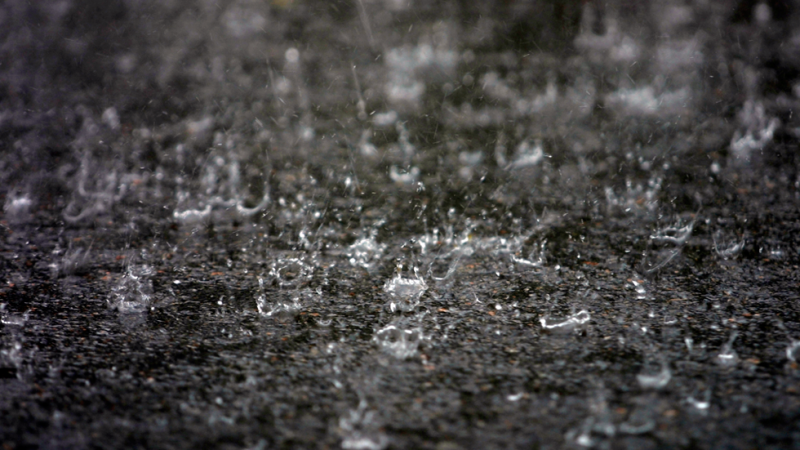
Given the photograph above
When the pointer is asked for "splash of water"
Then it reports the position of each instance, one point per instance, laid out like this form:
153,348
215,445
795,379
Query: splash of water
536,259
87,204
405,293
133,292
281,303
674,234
365,252
399,340
727,355
567,325
638,198
727,248
757,130
361,430
655,381
527,155
220,188
17,208
407,177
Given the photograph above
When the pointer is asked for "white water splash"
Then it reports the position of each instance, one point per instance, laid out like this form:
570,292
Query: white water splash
404,293
567,325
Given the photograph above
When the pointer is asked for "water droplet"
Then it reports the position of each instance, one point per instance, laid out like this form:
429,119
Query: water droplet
793,351
515,397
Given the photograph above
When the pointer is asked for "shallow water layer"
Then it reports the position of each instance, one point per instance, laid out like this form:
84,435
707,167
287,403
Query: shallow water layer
389,224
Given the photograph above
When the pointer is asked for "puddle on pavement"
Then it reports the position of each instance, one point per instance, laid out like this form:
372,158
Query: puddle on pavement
429,193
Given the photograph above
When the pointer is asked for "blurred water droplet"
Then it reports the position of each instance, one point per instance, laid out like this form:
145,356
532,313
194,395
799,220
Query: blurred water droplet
655,381
365,146
407,177
700,405
640,421
515,397
13,320
582,435
12,358
527,155
638,287
793,351
17,208
384,119
727,355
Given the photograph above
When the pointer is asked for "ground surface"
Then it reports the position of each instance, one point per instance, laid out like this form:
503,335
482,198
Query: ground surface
398,224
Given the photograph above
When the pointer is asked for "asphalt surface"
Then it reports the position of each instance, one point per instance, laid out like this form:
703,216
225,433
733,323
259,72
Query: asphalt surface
384,225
